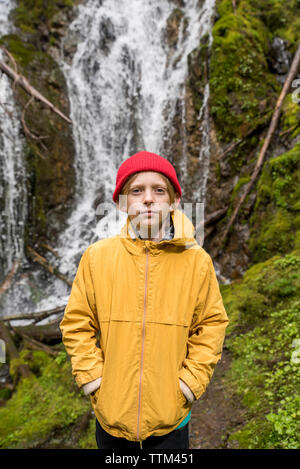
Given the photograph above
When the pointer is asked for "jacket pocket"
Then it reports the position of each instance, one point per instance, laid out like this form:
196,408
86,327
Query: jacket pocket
182,399
95,395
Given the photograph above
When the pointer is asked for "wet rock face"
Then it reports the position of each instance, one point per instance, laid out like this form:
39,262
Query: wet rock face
49,156
279,58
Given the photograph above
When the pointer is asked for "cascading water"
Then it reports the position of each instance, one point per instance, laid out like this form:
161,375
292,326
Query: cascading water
13,207
124,81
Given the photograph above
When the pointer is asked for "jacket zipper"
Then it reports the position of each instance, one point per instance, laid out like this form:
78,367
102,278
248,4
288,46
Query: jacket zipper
142,357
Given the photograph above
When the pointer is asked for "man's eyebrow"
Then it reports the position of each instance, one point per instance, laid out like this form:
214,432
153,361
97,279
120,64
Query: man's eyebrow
136,186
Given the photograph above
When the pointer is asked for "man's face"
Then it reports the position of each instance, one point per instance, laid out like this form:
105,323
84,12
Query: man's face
148,203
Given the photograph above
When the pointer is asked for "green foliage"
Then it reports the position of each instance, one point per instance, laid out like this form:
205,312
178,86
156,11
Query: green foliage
31,14
88,439
281,18
42,405
290,117
242,88
265,348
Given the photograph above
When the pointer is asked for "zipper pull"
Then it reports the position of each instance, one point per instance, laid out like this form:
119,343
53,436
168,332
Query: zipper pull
141,444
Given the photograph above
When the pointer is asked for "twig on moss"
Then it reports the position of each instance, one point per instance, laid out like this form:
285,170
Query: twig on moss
24,83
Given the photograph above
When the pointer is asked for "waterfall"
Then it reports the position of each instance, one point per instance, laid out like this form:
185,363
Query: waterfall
13,208
124,82
126,85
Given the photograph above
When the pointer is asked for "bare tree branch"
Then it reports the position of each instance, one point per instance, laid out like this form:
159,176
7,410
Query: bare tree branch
9,278
42,261
37,316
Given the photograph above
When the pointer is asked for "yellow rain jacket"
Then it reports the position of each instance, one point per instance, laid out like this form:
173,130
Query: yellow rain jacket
161,317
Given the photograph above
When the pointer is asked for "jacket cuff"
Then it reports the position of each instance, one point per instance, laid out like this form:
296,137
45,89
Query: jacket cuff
88,388
186,391
85,377
191,382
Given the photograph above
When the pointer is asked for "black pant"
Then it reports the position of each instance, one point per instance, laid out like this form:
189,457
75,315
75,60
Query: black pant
177,439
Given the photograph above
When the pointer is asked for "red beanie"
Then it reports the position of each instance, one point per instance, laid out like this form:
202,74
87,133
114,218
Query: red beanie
145,161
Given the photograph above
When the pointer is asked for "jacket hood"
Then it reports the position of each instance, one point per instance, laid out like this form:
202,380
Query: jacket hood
184,236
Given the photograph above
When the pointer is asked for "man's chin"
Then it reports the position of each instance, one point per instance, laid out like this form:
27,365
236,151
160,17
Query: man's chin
148,229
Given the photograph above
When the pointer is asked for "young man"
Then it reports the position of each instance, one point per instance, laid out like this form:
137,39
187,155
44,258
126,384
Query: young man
153,295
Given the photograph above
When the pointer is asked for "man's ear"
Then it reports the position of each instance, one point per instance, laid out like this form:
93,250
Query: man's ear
175,204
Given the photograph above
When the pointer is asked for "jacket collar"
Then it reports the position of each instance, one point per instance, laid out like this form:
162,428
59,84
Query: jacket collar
182,236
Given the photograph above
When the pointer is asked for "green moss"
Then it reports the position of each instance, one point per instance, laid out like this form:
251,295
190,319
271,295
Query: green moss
30,14
242,88
23,53
43,405
281,18
290,118
241,182
262,336
275,220
88,440
264,285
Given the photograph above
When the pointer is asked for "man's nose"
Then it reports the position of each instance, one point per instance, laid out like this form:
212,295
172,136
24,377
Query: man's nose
148,196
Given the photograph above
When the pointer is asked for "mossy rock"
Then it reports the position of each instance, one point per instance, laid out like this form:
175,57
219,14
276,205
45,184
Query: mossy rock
44,408
242,88
275,221
34,18
262,338
281,18
48,156
264,285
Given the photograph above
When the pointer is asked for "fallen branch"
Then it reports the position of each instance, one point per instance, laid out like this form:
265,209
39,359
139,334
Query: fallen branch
9,278
46,333
215,216
37,316
272,127
42,261
211,219
36,345
19,79
49,248
284,132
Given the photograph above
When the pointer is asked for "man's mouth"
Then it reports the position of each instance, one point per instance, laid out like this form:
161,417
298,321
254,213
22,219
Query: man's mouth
148,212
